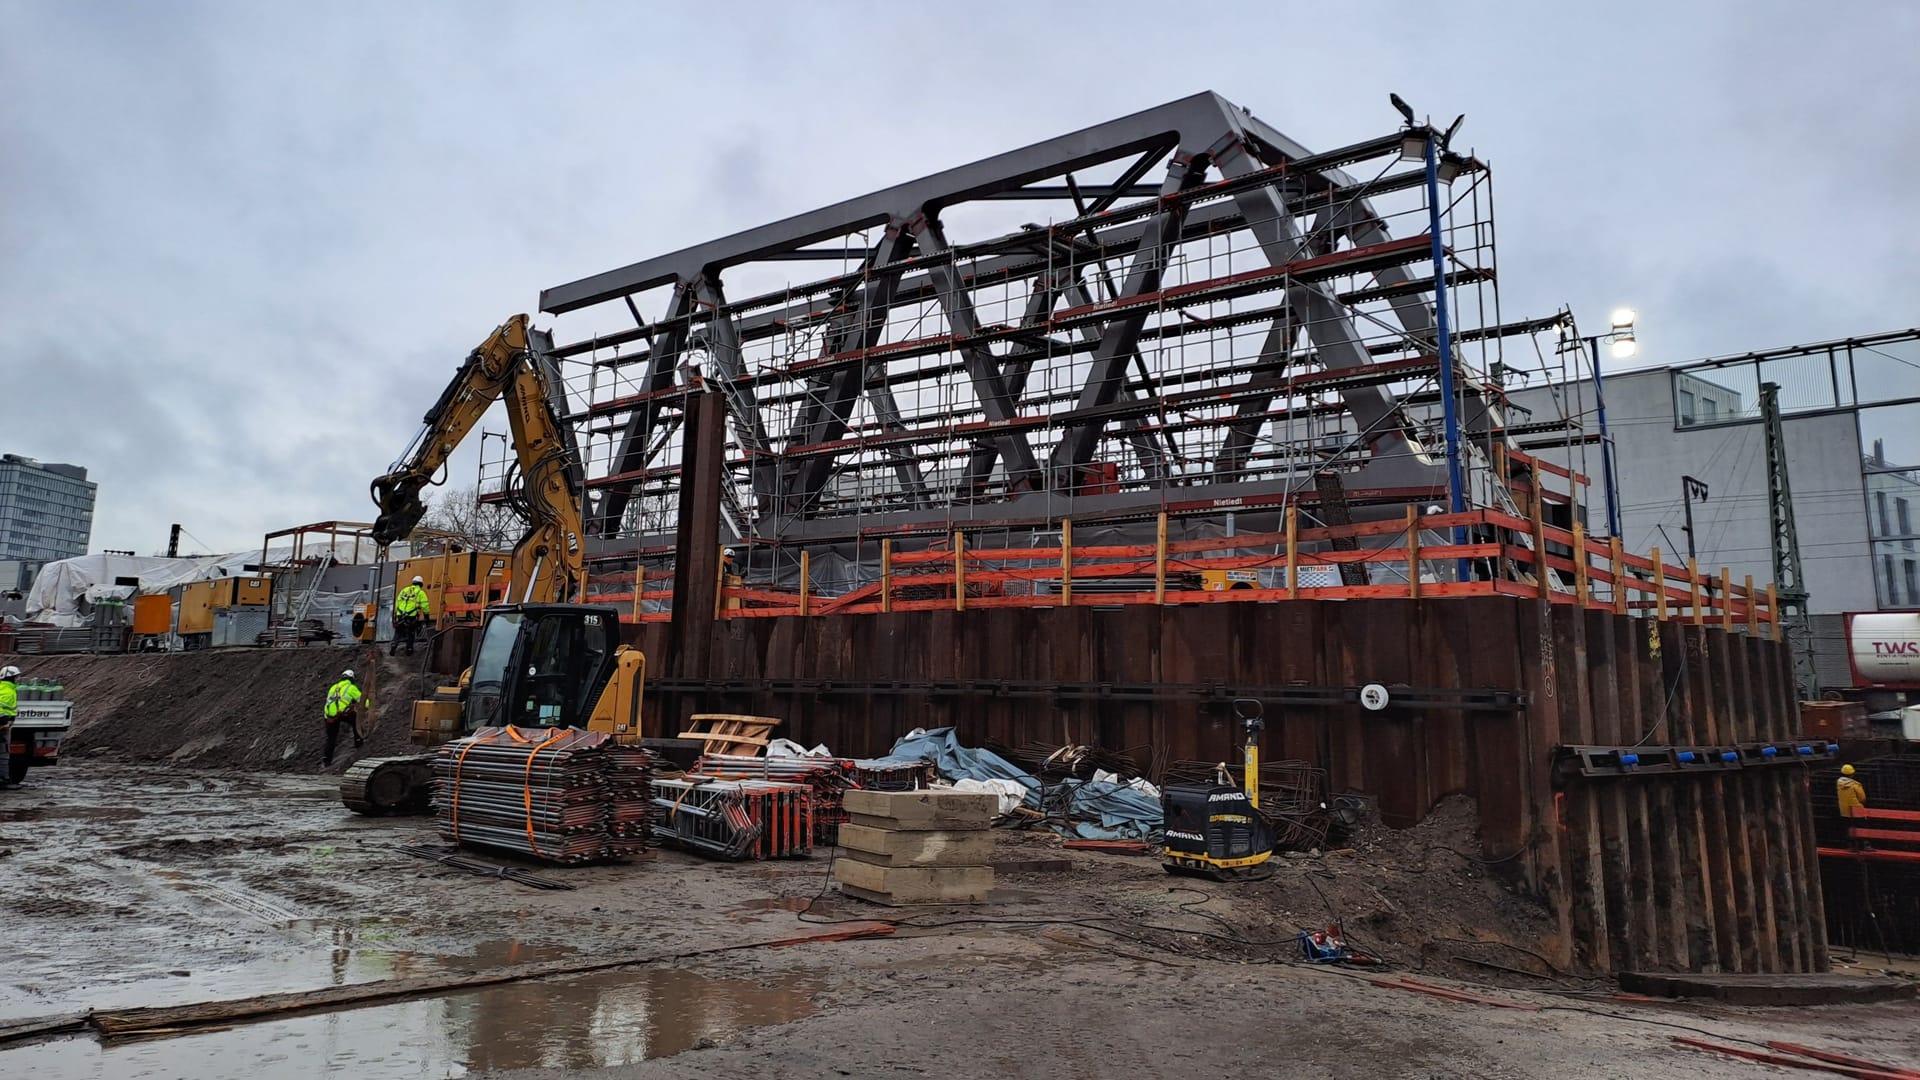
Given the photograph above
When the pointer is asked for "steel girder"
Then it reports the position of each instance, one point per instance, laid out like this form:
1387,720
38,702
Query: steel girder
1268,181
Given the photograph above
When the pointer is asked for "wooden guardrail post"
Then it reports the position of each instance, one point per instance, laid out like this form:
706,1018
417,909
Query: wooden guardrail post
720,583
886,576
1413,552
1581,590
1773,608
1066,563
959,570
1160,559
1293,552
1753,612
1693,588
806,582
1659,587
1619,569
1726,600
639,586
1541,574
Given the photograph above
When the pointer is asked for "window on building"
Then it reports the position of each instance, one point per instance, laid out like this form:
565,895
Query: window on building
1709,410
1880,510
1912,579
1892,591
1900,517
1686,406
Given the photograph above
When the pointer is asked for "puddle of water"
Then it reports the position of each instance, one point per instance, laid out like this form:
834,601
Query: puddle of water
593,1021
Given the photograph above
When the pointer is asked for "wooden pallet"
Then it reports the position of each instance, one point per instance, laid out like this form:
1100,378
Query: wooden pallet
731,733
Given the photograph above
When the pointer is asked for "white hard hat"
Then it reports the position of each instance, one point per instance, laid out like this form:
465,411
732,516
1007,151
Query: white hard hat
418,580
9,672
347,674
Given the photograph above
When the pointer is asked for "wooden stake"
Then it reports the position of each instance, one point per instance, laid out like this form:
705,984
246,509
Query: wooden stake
806,582
720,584
1773,609
1413,552
1066,563
959,571
1160,559
1726,600
639,586
886,575
1293,552
1753,613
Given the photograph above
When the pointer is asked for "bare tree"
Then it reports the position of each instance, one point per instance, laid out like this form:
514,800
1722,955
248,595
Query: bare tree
476,525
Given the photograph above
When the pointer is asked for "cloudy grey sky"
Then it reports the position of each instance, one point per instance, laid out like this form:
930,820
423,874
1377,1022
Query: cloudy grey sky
243,245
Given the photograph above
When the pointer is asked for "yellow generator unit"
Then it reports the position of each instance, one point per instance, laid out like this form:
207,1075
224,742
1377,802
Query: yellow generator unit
470,580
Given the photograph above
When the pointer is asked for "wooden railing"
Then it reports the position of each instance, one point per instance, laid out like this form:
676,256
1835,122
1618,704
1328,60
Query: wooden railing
1596,574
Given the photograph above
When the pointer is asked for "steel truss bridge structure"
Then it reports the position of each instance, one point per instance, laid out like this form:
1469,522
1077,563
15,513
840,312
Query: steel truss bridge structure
1182,311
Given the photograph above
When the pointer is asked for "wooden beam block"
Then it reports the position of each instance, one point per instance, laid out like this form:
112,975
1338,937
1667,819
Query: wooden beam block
894,847
914,884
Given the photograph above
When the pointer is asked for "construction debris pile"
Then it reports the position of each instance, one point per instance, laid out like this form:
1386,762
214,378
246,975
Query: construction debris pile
734,819
829,778
560,796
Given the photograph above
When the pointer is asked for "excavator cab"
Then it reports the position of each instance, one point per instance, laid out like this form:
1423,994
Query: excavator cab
541,665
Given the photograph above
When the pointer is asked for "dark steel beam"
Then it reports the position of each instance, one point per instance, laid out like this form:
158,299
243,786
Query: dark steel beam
636,439
1060,191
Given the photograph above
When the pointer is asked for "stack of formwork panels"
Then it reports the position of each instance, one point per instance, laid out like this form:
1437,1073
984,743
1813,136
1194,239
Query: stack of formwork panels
916,847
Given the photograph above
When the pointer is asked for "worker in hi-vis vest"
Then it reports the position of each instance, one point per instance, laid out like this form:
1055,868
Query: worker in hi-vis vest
410,609
9,708
342,707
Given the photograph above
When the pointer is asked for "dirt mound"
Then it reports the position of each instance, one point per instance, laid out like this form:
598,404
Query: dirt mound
255,709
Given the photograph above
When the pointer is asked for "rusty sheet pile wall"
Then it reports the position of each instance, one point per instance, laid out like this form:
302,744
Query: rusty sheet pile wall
1704,871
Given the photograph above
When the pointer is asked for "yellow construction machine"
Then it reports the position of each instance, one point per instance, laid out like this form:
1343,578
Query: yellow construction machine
544,659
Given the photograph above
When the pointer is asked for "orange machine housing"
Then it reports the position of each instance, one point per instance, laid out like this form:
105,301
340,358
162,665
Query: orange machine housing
458,583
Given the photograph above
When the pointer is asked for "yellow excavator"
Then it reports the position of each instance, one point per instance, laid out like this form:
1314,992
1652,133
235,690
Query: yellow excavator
545,659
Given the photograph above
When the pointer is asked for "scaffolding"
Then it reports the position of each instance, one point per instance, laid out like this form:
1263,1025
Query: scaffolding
1178,312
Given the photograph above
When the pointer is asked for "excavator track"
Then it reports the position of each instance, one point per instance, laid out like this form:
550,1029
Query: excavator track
380,787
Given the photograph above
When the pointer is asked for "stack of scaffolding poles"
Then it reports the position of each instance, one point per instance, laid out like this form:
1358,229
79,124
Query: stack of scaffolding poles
734,819
556,795
829,777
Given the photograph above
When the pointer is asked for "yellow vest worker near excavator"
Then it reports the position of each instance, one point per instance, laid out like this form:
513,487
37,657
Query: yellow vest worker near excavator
410,609
342,707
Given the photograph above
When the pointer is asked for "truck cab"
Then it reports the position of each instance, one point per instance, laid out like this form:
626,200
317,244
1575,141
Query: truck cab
39,727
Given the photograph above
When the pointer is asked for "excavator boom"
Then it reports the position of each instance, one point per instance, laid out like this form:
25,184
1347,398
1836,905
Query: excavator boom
547,562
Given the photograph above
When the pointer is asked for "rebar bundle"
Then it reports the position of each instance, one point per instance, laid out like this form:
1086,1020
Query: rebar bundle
734,819
562,796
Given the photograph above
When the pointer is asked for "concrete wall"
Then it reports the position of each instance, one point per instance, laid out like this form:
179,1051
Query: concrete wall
1731,527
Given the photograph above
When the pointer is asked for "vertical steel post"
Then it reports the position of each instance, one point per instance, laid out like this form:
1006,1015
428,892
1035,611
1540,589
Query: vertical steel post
1606,441
1456,497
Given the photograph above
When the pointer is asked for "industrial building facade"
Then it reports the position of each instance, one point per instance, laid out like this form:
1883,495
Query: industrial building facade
1847,408
46,512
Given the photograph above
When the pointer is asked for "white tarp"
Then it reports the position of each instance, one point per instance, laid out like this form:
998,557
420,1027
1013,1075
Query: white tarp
62,590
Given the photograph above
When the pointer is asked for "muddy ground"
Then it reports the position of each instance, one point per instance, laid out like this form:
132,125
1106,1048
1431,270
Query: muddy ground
189,849
142,884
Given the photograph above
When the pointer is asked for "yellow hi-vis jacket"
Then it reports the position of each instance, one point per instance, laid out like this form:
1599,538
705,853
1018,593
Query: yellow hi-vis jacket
9,702
1853,795
341,696
412,600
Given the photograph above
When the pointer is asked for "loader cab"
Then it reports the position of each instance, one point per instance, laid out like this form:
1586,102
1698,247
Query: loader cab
541,665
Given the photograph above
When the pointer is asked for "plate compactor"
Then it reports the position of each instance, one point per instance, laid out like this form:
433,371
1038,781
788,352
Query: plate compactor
1215,830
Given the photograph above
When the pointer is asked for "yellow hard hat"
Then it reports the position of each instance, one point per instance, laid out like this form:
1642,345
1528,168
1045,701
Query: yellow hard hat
1846,770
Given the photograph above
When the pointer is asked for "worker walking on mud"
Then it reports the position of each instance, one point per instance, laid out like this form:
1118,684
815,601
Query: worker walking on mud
343,707
410,609
9,708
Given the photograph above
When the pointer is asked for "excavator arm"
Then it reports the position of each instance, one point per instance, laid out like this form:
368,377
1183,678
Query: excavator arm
547,563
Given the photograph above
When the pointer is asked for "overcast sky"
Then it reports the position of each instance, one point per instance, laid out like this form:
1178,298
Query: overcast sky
242,246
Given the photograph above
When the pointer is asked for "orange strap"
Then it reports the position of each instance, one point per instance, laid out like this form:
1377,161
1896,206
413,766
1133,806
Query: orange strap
527,787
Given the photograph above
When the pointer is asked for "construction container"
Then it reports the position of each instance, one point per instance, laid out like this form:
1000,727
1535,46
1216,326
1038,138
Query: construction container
1834,720
457,580
241,624
152,615
242,592
196,609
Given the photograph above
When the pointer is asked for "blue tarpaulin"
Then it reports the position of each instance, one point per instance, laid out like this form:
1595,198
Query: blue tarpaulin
1087,809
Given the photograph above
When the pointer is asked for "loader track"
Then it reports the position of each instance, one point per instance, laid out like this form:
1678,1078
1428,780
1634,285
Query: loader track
380,787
